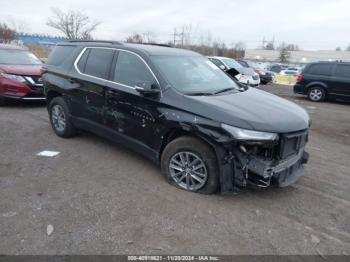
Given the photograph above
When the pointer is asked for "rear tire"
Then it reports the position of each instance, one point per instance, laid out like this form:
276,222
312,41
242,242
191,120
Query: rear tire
191,165
60,118
316,94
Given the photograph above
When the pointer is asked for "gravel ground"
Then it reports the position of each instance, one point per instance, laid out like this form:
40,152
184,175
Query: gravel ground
100,198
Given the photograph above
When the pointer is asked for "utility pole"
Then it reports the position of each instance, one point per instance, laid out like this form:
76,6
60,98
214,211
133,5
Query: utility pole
179,37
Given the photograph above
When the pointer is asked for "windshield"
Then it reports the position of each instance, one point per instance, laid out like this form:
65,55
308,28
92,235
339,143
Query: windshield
231,63
18,57
190,74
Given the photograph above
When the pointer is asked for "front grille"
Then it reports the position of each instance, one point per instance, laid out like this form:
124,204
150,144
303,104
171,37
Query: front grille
290,144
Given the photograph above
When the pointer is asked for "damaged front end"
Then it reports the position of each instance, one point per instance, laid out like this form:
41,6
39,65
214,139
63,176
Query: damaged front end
274,160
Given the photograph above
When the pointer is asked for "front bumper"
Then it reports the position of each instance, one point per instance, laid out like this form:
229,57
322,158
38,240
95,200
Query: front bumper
263,165
25,98
282,174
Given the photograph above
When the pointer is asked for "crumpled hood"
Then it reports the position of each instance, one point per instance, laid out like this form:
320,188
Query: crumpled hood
25,70
253,109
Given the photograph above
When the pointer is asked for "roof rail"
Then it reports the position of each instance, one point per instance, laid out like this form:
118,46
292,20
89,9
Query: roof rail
164,45
95,41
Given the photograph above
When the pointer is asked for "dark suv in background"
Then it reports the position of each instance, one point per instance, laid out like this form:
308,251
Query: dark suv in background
324,80
177,108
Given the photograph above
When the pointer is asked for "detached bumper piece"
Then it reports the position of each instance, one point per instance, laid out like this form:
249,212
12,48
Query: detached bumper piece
267,165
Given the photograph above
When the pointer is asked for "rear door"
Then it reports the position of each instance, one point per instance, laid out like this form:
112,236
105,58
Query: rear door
321,72
342,81
89,96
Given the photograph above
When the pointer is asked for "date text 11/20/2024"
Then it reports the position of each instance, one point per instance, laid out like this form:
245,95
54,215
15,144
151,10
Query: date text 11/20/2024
173,258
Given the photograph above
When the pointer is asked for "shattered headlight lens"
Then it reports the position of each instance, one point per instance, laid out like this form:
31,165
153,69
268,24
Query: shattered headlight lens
245,134
14,77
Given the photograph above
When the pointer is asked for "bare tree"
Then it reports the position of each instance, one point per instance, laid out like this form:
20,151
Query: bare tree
240,46
6,34
284,53
73,24
135,38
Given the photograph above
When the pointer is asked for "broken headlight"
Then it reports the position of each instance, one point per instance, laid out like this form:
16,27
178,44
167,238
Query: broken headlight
245,134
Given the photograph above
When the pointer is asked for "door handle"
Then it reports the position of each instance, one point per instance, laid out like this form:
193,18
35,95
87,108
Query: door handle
71,80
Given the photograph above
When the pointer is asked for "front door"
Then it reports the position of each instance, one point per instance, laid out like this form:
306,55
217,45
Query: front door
127,111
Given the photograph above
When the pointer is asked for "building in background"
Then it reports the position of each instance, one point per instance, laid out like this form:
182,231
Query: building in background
298,57
38,40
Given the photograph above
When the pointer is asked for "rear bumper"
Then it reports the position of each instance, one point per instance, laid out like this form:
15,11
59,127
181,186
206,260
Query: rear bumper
299,89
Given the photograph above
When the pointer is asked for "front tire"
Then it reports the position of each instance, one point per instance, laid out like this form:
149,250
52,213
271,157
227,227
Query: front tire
2,101
190,164
60,118
316,94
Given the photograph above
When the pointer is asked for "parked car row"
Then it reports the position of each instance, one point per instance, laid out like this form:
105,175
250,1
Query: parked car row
178,108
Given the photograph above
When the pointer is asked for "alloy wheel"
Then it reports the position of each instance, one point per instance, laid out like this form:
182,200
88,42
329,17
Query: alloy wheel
188,171
58,118
316,94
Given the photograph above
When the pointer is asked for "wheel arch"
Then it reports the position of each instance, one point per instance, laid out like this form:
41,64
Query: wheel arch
177,132
316,84
51,95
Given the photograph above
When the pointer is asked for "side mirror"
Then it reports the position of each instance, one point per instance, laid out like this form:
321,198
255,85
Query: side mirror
232,72
147,89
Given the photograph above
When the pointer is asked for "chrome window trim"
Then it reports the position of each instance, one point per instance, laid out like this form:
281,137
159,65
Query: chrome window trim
113,82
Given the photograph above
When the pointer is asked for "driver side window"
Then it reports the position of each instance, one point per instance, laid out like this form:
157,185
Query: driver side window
130,70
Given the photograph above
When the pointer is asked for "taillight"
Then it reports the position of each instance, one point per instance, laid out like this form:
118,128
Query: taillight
300,78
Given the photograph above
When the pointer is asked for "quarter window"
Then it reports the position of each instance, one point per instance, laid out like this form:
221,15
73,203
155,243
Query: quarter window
130,70
98,62
343,71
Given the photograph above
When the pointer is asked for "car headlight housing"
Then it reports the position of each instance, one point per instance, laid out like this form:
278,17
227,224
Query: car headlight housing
13,77
250,135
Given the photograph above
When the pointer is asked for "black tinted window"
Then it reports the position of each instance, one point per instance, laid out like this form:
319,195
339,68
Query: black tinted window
131,70
98,62
343,71
59,54
320,69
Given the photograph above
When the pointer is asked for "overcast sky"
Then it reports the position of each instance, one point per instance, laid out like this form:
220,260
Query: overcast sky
312,24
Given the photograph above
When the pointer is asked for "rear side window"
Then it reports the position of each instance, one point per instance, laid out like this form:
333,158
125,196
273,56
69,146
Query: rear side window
59,54
343,71
130,70
98,62
320,69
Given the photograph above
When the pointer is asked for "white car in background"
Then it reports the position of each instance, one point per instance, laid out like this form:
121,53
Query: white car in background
246,75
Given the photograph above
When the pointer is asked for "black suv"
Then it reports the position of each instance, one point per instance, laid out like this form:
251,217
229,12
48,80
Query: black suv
178,109
325,80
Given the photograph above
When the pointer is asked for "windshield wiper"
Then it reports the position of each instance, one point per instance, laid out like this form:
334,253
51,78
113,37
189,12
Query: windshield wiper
199,94
224,90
